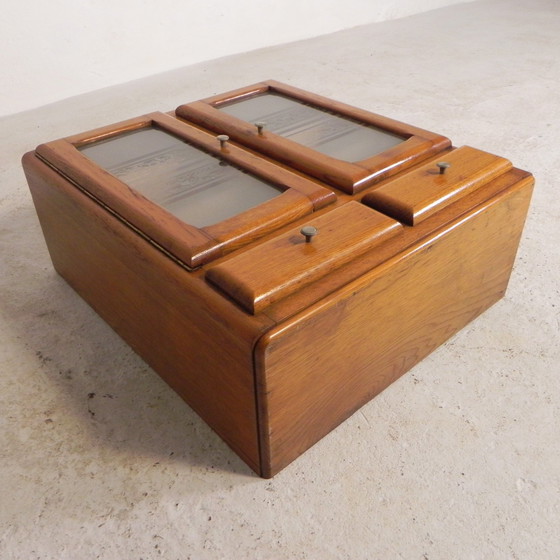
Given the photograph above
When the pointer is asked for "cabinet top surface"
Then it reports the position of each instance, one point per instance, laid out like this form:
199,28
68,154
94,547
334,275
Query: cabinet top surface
217,204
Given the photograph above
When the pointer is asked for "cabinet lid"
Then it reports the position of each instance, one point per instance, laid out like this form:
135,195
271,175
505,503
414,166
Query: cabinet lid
279,267
194,196
344,146
328,133
196,187
418,194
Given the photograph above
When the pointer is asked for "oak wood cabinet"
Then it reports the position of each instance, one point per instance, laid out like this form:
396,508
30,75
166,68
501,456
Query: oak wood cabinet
282,277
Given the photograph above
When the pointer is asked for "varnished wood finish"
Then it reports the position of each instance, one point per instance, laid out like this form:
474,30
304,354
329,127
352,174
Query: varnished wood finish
417,195
193,246
319,367
196,340
283,265
351,177
322,288
274,341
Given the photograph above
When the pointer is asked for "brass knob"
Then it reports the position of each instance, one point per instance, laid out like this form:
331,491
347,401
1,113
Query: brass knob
309,232
223,138
260,126
443,165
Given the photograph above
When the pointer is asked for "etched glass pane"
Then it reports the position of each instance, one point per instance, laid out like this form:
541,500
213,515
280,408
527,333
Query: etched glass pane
197,187
313,127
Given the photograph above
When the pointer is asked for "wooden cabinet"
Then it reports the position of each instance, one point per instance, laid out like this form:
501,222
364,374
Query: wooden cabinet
282,277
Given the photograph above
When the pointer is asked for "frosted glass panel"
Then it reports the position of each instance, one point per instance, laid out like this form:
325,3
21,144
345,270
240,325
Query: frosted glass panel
197,187
329,134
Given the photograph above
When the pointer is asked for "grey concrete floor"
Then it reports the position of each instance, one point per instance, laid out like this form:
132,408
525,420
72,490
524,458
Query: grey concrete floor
458,459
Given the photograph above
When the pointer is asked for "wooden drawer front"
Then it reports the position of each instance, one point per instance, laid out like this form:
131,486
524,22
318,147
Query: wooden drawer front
424,191
281,266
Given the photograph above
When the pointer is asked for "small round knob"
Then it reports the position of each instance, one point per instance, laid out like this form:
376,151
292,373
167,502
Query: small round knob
260,126
223,138
443,165
309,232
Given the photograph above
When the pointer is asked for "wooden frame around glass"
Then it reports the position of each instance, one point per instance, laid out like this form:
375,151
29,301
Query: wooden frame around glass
192,246
351,177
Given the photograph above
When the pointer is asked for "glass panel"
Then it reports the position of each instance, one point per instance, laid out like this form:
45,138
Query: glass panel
325,132
197,187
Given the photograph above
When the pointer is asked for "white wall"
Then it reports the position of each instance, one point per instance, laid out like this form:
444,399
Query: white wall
59,48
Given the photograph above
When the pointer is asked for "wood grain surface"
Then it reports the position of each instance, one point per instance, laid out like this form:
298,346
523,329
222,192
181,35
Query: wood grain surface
197,341
283,265
274,341
319,367
192,245
351,177
418,194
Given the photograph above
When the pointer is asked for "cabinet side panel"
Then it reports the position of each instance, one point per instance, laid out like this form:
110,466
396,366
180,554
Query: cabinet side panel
193,338
320,367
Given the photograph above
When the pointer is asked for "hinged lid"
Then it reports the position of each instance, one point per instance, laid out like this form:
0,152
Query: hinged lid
193,195
418,194
276,268
341,145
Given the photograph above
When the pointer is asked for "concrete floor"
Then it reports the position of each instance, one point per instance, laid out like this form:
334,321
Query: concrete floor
460,459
